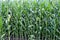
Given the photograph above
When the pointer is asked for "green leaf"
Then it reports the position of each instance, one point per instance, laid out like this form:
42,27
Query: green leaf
1,22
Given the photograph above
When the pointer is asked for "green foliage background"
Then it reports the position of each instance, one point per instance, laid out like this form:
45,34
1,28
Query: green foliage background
39,19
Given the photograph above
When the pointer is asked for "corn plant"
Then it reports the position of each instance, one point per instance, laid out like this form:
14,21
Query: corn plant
30,20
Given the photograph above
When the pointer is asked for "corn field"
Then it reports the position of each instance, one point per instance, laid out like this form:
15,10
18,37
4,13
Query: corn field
29,19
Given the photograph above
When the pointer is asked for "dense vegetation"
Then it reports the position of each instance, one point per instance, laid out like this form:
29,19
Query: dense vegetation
30,19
